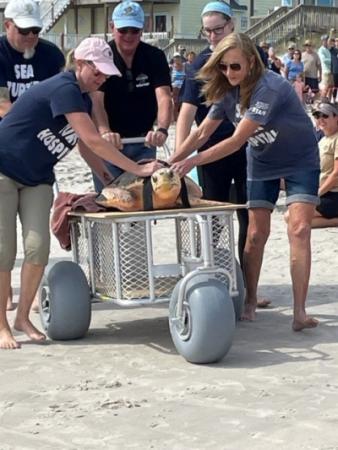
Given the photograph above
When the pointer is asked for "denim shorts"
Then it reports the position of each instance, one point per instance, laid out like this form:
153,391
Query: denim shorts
299,188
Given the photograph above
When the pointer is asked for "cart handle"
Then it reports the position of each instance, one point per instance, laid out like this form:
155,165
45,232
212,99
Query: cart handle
141,140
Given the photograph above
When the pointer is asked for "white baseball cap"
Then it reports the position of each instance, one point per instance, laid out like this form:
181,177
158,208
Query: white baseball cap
24,13
97,50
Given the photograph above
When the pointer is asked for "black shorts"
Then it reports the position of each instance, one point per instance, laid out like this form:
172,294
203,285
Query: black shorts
312,83
335,80
328,206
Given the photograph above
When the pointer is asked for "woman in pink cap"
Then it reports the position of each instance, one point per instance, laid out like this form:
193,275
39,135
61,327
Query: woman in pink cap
45,124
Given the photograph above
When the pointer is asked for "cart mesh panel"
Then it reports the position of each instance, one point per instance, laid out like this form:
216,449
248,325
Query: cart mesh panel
122,261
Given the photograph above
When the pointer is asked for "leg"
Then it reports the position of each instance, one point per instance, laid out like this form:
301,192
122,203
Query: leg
258,233
34,209
10,305
7,340
299,233
31,276
8,203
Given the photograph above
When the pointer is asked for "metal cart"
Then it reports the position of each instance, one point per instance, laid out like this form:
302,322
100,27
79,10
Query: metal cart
123,258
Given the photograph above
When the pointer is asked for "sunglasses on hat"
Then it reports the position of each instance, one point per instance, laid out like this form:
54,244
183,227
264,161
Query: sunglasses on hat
234,67
26,31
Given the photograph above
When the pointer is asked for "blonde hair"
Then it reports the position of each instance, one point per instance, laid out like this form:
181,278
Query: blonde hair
70,60
216,84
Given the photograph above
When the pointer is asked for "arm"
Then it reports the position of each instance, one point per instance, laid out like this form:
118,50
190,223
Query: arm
196,139
99,114
331,181
5,104
164,115
184,123
84,127
245,129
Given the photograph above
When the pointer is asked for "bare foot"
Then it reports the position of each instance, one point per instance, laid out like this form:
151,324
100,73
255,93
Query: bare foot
29,329
263,303
308,322
7,340
249,312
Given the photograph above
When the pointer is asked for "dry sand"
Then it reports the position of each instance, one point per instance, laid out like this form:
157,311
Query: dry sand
124,385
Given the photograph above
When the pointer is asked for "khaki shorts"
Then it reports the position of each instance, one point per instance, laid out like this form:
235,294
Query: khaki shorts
33,204
327,79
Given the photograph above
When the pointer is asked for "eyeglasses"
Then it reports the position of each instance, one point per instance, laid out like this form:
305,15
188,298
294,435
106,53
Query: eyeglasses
217,30
234,66
130,30
320,115
94,69
296,53
26,31
130,79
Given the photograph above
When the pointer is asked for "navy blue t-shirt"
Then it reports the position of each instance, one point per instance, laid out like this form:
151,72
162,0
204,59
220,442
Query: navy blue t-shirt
19,74
130,100
284,143
35,134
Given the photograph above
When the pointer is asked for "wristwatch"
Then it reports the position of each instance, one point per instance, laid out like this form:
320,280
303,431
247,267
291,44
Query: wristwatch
163,130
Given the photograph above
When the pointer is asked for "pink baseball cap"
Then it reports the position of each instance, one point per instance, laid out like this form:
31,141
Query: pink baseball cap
97,50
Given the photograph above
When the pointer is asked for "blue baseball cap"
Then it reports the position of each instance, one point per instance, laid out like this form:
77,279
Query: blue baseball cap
128,14
218,7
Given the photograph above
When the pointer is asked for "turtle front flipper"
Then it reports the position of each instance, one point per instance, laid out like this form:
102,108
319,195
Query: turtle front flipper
115,197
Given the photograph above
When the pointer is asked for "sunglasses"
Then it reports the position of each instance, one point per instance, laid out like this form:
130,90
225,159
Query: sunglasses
130,30
26,31
234,66
130,79
94,69
319,115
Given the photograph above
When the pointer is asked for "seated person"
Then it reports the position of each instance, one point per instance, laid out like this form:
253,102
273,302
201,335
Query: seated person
326,117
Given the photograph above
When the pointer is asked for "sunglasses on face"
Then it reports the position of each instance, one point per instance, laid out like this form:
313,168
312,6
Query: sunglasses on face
130,30
234,66
319,115
26,31
217,30
95,71
130,79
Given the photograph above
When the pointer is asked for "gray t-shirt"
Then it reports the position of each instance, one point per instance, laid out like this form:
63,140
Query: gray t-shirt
284,143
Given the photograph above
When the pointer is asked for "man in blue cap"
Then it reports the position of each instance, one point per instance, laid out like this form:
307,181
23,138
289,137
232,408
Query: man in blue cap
128,106
215,178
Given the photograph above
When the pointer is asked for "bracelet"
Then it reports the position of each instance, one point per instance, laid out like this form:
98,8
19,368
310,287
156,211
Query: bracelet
163,130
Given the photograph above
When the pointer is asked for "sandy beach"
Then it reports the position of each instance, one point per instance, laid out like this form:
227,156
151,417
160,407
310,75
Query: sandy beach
124,386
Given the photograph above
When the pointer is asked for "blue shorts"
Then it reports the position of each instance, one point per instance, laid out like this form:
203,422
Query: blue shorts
300,188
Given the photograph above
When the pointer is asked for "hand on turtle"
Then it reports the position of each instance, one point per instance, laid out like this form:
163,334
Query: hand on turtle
183,167
155,138
113,138
145,170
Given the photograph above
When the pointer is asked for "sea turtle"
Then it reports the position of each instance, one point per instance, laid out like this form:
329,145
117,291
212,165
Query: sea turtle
125,193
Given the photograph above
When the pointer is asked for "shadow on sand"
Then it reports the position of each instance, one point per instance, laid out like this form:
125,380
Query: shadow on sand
267,341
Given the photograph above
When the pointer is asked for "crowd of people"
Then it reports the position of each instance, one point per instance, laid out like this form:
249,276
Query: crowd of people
253,135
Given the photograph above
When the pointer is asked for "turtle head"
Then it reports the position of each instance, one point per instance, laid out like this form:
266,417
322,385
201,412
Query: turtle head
166,183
